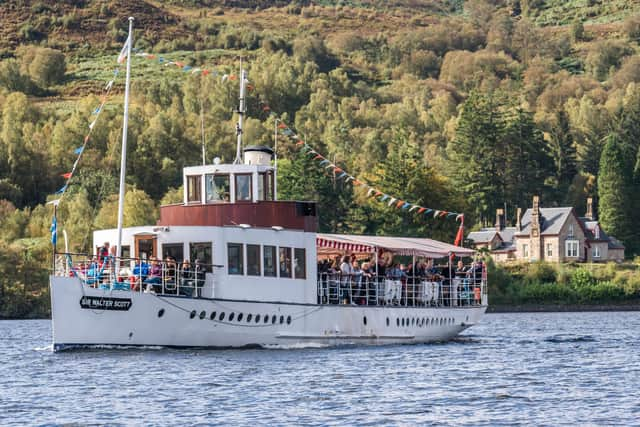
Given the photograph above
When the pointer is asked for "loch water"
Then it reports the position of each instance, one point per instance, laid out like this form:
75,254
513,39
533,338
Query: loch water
512,369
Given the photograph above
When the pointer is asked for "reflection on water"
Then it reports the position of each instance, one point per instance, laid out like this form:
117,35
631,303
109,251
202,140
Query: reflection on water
550,369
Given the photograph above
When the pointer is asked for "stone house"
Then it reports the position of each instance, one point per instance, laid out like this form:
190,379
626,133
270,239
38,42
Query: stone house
549,234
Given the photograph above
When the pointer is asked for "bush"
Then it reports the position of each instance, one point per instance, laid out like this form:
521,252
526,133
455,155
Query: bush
547,293
541,272
45,66
582,278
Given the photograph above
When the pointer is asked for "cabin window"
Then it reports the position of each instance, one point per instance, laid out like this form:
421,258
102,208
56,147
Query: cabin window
571,248
269,258
300,263
596,251
253,260
193,188
217,188
126,251
265,186
201,252
235,258
285,262
243,187
174,250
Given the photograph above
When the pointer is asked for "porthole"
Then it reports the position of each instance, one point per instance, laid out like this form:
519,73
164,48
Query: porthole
407,321
221,318
273,319
249,316
467,319
397,321
161,312
240,317
281,320
266,318
413,321
193,314
231,316
203,314
403,321
213,316
257,318
387,321
364,320
288,320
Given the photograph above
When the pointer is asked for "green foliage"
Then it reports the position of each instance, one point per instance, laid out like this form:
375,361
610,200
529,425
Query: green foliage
582,278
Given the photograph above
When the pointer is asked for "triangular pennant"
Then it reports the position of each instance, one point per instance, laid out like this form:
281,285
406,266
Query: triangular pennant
62,190
421,210
436,214
392,201
370,192
400,204
66,175
78,150
406,205
384,197
413,208
282,125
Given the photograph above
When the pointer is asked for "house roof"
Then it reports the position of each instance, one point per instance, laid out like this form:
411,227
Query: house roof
485,235
552,220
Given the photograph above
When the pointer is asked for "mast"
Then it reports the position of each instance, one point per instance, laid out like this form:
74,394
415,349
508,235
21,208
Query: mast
204,161
241,111
123,159
275,160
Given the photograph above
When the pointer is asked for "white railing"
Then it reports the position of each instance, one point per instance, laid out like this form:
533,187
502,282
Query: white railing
137,275
411,291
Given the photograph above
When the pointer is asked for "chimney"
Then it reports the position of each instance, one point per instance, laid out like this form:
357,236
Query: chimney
589,214
535,217
499,223
518,216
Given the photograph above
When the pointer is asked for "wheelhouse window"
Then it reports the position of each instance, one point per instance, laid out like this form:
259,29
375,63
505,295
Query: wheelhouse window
173,250
571,248
285,262
235,260
194,188
217,188
243,187
253,260
299,263
201,252
265,186
269,258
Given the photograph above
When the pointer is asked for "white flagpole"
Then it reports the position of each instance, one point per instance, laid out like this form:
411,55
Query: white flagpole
123,159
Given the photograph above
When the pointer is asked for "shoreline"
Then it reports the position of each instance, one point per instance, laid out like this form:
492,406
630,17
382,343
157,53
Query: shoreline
561,308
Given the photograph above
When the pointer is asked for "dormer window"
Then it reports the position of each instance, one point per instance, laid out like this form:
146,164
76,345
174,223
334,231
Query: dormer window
194,185
243,187
217,188
570,230
597,231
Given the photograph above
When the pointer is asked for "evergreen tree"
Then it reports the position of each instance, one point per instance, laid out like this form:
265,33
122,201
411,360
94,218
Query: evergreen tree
614,191
563,155
477,154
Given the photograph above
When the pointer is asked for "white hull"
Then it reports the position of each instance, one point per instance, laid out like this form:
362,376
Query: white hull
181,324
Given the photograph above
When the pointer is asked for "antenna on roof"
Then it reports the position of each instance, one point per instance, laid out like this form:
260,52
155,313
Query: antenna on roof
241,111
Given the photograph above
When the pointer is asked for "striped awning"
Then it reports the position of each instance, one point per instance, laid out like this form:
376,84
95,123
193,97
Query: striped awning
398,245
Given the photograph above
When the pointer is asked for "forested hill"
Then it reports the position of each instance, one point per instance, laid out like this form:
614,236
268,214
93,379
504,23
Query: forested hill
454,105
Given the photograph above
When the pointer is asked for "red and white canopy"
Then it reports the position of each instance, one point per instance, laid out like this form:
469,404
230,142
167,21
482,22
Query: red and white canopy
398,245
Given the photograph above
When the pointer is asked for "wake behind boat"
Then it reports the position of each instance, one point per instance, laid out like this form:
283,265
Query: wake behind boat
232,266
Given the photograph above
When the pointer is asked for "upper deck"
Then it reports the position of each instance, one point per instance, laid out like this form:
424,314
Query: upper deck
234,194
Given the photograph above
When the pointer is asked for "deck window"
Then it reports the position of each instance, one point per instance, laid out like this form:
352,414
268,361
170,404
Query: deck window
173,250
235,258
265,186
194,184
300,263
243,187
253,260
269,261
285,262
217,188
201,252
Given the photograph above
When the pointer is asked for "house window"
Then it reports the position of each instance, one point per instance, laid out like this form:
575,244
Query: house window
300,263
193,188
595,253
285,262
235,258
269,258
525,251
549,249
597,232
571,248
570,230
253,260
243,187
217,188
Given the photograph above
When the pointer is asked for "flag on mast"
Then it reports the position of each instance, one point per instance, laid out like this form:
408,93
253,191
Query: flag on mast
123,52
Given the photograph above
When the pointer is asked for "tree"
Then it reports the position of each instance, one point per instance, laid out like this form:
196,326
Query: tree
615,191
563,154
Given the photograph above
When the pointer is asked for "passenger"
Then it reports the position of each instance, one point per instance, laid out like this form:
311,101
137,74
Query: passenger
357,274
170,273
200,272
461,270
345,279
186,279
103,253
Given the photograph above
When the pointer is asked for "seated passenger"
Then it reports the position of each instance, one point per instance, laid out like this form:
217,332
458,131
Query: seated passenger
186,279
